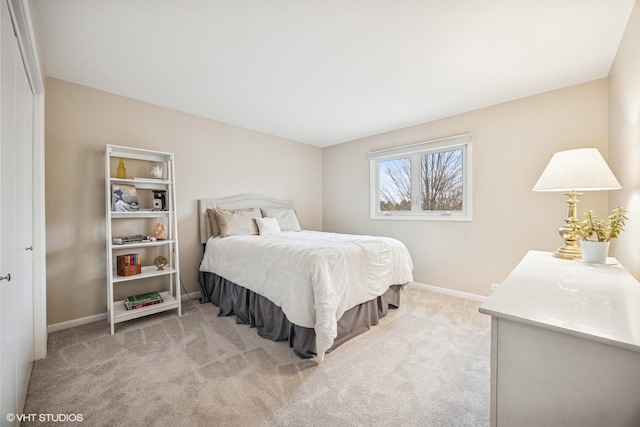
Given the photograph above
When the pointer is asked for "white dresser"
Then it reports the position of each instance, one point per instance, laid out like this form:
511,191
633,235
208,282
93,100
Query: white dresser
565,345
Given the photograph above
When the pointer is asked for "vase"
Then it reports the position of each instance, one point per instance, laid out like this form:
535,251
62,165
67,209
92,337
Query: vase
121,173
594,252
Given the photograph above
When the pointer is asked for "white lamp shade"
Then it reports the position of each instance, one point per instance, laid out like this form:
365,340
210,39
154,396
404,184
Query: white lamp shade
582,169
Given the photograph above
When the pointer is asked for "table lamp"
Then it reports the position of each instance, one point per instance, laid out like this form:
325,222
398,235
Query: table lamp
572,172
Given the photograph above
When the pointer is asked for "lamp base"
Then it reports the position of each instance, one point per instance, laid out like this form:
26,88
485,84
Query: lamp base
571,248
568,251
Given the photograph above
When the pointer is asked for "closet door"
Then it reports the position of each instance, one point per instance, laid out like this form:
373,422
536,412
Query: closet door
16,224
24,228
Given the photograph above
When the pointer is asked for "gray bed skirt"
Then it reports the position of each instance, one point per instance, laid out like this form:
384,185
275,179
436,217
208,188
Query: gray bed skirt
270,322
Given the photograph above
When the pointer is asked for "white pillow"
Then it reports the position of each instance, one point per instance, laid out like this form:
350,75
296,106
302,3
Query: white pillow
268,226
287,218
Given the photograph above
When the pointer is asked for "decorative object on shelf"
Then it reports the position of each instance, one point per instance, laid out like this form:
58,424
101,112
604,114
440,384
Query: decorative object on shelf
604,229
160,262
122,171
157,172
124,198
575,171
160,231
159,200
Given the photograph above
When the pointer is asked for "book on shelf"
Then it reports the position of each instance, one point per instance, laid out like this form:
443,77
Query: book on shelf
129,259
129,264
123,240
130,306
143,300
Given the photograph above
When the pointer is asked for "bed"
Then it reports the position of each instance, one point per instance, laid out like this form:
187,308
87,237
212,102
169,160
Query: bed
314,289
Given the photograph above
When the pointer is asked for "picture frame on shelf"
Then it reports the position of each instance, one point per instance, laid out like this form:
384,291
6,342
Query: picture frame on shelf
124,198
159,200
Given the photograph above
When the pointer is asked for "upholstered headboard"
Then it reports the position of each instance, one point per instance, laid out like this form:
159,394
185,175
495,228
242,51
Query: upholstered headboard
234,202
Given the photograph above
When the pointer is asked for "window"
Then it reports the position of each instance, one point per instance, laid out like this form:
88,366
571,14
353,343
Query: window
430,180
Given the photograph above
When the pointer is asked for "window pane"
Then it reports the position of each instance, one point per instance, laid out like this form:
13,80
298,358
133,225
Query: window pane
442,181
394,189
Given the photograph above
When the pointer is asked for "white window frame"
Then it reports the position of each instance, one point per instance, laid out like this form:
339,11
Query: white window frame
415,151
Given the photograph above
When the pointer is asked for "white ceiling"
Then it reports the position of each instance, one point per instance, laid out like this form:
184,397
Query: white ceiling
323,72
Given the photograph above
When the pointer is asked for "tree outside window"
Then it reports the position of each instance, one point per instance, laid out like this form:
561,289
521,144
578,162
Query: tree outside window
395,185
429,180
442,181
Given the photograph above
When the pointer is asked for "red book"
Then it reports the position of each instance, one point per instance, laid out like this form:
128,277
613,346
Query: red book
142,304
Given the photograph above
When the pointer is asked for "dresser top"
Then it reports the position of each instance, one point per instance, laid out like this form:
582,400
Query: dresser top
597,302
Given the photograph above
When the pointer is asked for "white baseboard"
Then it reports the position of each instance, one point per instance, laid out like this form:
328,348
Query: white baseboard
97,317
103,316
452,292
192,295
76,322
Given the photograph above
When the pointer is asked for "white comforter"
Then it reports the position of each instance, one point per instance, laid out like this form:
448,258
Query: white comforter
314,277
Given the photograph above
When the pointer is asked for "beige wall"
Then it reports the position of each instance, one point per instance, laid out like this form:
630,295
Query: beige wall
512,144
624,140
213,159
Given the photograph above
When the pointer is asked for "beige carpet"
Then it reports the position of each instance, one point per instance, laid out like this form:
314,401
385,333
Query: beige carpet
424,364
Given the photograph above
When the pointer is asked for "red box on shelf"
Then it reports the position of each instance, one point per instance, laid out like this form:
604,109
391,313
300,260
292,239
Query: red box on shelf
128,265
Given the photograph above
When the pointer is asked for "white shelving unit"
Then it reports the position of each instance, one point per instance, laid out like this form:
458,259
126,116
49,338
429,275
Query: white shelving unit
138,163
